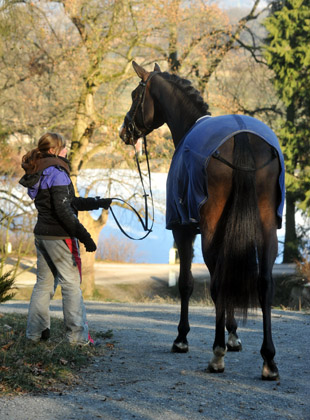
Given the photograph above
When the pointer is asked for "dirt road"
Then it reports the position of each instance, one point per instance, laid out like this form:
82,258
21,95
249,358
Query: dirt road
141,379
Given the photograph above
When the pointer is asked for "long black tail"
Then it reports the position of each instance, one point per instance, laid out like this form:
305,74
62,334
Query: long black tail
238,237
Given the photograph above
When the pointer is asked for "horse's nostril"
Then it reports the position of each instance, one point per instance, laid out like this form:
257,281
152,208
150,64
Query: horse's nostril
123,133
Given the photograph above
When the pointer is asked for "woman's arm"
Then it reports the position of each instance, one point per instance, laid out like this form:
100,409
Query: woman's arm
90,203
61,206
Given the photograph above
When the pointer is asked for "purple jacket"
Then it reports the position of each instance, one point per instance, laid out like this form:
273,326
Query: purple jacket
54,197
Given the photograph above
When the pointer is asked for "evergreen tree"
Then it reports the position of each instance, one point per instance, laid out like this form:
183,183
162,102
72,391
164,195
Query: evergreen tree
288,54
6,287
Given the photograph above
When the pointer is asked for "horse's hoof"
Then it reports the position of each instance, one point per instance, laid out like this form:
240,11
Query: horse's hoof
270,372
233,343
211,369
217,364
234,347
273,377
179,347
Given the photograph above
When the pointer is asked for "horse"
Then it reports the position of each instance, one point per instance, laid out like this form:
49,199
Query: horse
230,191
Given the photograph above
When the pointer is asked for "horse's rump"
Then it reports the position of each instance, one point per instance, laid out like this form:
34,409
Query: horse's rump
187,184
239,220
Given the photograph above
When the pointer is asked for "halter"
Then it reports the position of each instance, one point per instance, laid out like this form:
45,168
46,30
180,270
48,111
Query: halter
131,128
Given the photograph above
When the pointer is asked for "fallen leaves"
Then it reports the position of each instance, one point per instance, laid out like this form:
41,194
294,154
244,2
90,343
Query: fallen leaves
5,347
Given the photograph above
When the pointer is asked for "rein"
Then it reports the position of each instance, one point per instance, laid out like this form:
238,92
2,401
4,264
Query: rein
131,127
144,223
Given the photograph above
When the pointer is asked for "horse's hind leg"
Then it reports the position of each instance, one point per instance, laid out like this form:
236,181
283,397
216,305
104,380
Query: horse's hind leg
184,239
266,290
233,342
216,364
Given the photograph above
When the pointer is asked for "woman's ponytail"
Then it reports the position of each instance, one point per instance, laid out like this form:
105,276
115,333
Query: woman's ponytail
48,141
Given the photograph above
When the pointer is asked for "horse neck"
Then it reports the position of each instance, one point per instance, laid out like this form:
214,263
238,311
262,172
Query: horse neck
177,114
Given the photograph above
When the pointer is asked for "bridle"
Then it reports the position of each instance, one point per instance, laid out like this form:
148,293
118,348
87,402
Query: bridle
132,128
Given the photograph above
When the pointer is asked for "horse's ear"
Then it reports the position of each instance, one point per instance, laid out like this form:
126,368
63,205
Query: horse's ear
157,68
143,74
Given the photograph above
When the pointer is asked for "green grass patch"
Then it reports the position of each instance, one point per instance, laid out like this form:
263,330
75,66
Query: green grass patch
46,366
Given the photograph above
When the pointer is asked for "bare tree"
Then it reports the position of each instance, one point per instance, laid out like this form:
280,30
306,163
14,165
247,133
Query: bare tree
65,65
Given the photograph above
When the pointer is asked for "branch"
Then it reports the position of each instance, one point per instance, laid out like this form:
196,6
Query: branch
43,14
252,50
87,156
229,44
6,4
13,84
253,112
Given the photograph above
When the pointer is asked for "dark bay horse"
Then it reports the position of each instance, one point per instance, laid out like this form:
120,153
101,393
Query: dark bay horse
237,212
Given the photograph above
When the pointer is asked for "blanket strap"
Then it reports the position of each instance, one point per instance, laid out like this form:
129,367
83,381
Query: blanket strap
217,155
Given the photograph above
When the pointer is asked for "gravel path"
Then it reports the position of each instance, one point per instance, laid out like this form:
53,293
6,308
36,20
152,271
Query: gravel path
140,379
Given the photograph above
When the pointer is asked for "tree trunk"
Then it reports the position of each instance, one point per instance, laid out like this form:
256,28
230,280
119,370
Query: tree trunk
173,61
88,258
88,273
290,243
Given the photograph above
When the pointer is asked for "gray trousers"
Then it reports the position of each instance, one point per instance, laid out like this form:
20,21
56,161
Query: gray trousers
57,265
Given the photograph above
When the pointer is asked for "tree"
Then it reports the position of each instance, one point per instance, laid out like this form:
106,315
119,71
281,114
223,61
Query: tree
6,287
288,55
16,222
65,66
67,62
197,55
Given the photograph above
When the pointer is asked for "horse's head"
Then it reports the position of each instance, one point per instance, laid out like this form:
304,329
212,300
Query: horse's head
143,117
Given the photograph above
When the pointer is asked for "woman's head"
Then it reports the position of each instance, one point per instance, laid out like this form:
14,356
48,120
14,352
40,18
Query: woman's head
48,144
52,143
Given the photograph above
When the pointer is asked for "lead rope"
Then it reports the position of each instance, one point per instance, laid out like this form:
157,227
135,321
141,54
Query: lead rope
145,195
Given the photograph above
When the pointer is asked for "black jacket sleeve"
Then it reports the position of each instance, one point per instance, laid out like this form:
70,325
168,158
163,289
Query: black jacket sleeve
90,203
61,202
83,204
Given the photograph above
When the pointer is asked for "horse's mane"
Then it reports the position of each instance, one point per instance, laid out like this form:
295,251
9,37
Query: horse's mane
187,88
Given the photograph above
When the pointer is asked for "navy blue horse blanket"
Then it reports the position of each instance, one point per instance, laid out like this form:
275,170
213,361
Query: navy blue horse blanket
187,188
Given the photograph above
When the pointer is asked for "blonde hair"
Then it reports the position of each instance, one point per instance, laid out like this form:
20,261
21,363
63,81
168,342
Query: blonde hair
46,142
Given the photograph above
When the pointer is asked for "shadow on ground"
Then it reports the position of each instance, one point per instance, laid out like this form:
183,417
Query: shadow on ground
139,378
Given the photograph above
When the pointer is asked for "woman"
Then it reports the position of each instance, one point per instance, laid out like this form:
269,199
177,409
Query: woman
57,233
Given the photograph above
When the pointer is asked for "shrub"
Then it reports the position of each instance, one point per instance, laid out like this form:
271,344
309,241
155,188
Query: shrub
6,286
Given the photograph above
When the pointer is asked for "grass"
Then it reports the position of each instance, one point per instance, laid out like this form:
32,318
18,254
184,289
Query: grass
159,292
45,366
146,292
24,293
149,292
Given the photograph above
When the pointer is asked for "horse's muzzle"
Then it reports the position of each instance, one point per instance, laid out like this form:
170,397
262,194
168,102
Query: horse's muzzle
127,135
124,135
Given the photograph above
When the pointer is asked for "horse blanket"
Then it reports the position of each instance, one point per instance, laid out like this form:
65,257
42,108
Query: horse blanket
187,188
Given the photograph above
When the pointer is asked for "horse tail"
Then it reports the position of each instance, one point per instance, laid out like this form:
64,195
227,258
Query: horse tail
238,237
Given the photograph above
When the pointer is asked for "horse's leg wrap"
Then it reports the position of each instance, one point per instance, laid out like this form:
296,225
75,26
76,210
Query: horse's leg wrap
233,343
179,347
217,364
270,371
